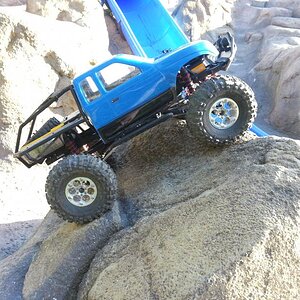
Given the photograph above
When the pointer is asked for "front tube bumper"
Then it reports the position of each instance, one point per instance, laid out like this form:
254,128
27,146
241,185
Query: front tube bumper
227,50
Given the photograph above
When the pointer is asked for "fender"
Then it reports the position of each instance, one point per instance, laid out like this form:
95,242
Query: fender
175,60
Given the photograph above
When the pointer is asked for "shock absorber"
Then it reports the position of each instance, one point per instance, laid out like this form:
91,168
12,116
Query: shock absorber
71,145
187,80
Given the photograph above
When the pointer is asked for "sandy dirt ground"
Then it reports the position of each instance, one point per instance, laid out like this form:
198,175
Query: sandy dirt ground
22,209
20,212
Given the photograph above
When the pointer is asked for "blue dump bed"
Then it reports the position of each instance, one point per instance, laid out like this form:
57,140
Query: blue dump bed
147,26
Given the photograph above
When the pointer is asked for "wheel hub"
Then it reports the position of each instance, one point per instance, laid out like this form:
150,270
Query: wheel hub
224,113
81,191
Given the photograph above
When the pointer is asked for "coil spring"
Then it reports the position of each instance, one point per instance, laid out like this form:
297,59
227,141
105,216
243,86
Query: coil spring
187,80
72,147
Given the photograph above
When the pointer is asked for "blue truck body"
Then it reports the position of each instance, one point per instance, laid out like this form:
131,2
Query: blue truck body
156,77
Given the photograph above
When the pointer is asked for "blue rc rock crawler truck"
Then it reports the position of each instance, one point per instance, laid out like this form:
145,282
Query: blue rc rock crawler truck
143,93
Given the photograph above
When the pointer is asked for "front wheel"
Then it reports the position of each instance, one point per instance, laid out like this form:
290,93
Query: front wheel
221,110
80,188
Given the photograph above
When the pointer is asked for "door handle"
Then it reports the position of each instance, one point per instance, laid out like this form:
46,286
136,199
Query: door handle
115,100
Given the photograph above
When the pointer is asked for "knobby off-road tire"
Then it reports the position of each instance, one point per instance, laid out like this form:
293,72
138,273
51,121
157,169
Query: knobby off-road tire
50,124
81,188
221,110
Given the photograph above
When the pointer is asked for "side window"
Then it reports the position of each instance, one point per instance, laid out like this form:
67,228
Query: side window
90,89
116,74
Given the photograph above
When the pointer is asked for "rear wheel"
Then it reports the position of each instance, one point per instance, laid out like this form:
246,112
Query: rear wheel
221,110
81,188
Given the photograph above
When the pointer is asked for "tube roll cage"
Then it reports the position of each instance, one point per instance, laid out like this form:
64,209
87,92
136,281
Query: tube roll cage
32,119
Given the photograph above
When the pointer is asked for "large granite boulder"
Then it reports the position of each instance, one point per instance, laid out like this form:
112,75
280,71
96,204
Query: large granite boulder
208,223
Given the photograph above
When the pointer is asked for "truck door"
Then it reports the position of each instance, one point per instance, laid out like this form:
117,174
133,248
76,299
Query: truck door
129,87
113,93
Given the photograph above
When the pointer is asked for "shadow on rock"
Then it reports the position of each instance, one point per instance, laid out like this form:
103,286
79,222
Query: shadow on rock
13,236
56,257
234,236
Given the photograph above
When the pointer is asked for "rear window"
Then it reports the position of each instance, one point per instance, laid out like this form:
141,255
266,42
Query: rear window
117,74
90,89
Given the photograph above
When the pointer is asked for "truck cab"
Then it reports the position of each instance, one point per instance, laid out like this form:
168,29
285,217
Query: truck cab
122,89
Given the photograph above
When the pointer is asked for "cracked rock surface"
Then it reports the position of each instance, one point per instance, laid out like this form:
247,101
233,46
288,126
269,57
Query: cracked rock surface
192,222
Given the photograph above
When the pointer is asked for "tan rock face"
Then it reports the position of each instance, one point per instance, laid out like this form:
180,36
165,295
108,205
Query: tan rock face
233,237
12,2
286,112
35,60
83,13
25,77
283,3
279,64
272,39
37,56
202,16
